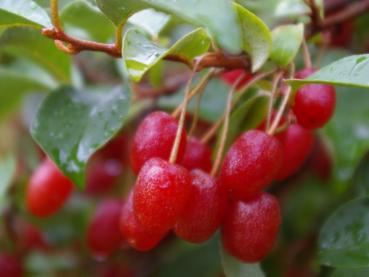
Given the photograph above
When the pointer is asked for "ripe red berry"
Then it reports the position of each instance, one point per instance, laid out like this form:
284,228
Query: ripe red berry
29,237
297,144
48,189
154,138
196,156
251,163
314,103
102,175
250,228
160,195
231,76
205,209
103,234
10,266
136,236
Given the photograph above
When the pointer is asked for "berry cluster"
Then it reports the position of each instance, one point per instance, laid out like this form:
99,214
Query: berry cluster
183,196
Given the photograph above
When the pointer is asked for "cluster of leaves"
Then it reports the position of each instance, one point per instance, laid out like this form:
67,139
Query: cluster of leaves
73,117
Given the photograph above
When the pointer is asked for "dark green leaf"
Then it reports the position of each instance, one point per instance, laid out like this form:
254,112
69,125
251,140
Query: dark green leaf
86,17
30,44
71,125
7,171
286,43
218,17
235,268
22,13
141,54
344,239
350,71
361,177
352,272
256,37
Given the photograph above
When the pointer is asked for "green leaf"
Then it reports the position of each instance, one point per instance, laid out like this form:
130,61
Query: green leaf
348,133
88,22
350,71
141,54
7,171
71,125
23,13
14,84
218,16
256,37
150,20
235,268
344,239
361,177
352,272
287,40
291,8
30,44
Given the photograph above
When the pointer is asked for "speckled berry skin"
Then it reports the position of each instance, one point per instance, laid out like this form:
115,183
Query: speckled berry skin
250,228
103,234
251,163
154,138
314,103
196,156
10,266
205,210
134,234
160,195
297,145
48,189
230,77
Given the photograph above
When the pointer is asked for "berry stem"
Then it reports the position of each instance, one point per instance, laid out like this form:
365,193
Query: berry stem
306,54
54,7
276,80
283,105
226,116
213,129
118,35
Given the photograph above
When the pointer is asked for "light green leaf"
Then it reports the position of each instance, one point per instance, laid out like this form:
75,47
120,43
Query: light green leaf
141,54
291,8
30,44
150,20
218,16
344,238
287,40
7,171
88,18
71,125
256,37
350,71
23,13
235,268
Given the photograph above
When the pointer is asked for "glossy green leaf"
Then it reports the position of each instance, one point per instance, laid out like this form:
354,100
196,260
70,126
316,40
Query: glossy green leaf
71,125
287,40
256,37
291,8
235,268
23,13
344,238
141,54
150,20
348,133
218,16
7,171
350,71
30,44
86,17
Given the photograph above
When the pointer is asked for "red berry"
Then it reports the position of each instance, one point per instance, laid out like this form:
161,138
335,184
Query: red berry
154,138
205,209
230,77
10,266
314,103
116,148
322,161
251,163
102,175
196,156
282,121
160,195
297,144
48,189
103,235
29,237
116,270
136,236
250,228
